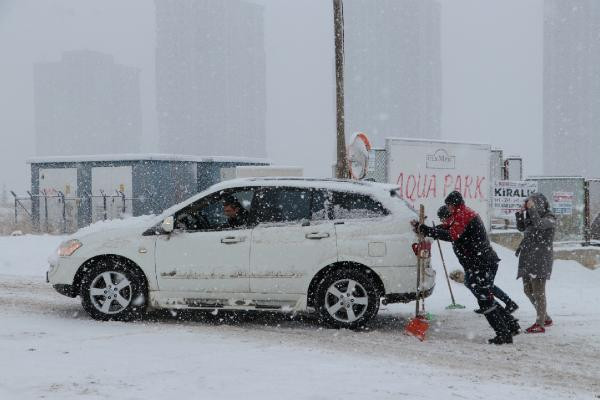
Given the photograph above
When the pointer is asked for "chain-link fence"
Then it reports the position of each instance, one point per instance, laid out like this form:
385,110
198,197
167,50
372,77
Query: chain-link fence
53,212
21,218
377,165
110,206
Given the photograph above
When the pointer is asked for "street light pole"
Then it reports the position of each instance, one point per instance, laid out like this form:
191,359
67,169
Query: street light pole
341,170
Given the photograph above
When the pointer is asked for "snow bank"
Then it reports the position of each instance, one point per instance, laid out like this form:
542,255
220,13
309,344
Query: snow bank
27,255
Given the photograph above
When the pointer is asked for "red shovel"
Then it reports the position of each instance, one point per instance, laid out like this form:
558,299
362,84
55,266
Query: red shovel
418,325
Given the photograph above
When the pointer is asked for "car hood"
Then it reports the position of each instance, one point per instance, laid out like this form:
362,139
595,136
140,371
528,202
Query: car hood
116,228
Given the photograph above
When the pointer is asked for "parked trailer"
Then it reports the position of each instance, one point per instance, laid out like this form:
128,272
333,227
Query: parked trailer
428,170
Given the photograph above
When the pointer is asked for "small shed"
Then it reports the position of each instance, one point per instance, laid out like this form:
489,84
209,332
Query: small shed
73,191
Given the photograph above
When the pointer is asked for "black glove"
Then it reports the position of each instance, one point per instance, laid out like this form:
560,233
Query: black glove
420,228
415,224
423,230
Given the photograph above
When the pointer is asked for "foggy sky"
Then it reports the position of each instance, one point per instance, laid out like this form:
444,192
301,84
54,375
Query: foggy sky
491,59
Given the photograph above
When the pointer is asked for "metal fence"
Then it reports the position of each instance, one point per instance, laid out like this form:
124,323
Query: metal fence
593,215
376,170
567,198
58,213
574,201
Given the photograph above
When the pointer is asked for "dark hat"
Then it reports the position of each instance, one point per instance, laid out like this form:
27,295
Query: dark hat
443,213
454,199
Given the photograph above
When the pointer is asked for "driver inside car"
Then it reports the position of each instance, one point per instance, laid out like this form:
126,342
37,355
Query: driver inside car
237,215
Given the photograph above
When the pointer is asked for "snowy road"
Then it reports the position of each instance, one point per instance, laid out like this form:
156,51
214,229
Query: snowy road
51,349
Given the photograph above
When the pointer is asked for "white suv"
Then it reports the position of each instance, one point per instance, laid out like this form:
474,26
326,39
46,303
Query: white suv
335,247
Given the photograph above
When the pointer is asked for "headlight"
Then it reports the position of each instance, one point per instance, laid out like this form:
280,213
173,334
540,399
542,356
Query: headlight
69,247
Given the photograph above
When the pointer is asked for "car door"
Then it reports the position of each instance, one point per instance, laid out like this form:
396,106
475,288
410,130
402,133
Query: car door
363,236
203,253
292,239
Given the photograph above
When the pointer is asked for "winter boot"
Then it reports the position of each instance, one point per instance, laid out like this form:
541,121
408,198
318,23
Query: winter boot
511,322
498,320
501,339
478,311
511,307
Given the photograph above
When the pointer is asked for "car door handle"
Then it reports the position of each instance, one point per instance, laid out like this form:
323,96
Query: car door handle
232,239
317,235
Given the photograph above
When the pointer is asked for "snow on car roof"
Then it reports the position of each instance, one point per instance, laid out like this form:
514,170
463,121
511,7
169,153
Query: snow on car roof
325,183
318,183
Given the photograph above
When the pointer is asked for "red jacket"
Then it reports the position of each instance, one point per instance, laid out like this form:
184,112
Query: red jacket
469,238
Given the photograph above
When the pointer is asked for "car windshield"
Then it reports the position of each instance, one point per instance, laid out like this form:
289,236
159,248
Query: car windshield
396,194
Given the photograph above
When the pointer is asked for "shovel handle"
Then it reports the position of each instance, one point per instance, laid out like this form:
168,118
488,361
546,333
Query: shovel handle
419,259
445,271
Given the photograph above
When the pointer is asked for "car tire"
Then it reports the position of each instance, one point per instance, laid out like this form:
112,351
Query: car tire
113,291
347,298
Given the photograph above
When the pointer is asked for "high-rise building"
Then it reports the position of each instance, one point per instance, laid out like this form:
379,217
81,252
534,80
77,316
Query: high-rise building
393,83
211,77
86,104
572,87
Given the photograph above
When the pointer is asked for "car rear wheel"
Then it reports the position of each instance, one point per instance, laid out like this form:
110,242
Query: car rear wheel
113,292
347,298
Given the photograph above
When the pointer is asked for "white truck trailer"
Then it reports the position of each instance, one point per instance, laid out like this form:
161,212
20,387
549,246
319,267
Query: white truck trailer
427,170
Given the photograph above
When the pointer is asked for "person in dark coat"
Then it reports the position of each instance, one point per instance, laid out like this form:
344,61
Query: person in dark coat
237,216
509,305
536,255
471,245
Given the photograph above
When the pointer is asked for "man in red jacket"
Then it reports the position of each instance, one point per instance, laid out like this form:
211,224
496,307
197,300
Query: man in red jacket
465,229
510,306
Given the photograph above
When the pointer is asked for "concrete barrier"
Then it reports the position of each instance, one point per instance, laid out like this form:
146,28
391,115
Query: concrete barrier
588,256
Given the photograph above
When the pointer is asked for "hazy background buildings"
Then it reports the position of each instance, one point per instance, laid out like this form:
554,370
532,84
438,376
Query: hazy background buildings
210,77
86,104
572,87
492,86
393,75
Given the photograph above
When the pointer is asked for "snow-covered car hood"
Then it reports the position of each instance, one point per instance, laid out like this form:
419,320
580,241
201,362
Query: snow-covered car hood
116,228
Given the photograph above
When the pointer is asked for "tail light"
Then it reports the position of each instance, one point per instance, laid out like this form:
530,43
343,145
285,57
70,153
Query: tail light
422,249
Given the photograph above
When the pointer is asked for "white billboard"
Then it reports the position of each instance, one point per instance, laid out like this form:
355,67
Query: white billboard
509,196
428,170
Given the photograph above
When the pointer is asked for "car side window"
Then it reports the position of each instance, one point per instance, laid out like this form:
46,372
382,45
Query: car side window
321,205
209,213
281,204
354,205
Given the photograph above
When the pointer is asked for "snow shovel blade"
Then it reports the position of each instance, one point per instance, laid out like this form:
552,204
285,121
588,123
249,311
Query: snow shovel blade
417,327
455,307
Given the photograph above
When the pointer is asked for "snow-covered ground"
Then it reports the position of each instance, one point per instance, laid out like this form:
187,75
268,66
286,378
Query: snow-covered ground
51,349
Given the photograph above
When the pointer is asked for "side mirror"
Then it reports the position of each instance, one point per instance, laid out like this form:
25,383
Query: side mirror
167,224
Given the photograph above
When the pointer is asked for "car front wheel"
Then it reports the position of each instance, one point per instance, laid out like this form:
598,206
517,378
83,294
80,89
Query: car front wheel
347,298
113,292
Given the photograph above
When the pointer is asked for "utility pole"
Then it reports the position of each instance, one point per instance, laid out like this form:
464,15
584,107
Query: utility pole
341,170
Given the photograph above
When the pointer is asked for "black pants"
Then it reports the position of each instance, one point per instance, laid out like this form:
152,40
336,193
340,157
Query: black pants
498,293
482,286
